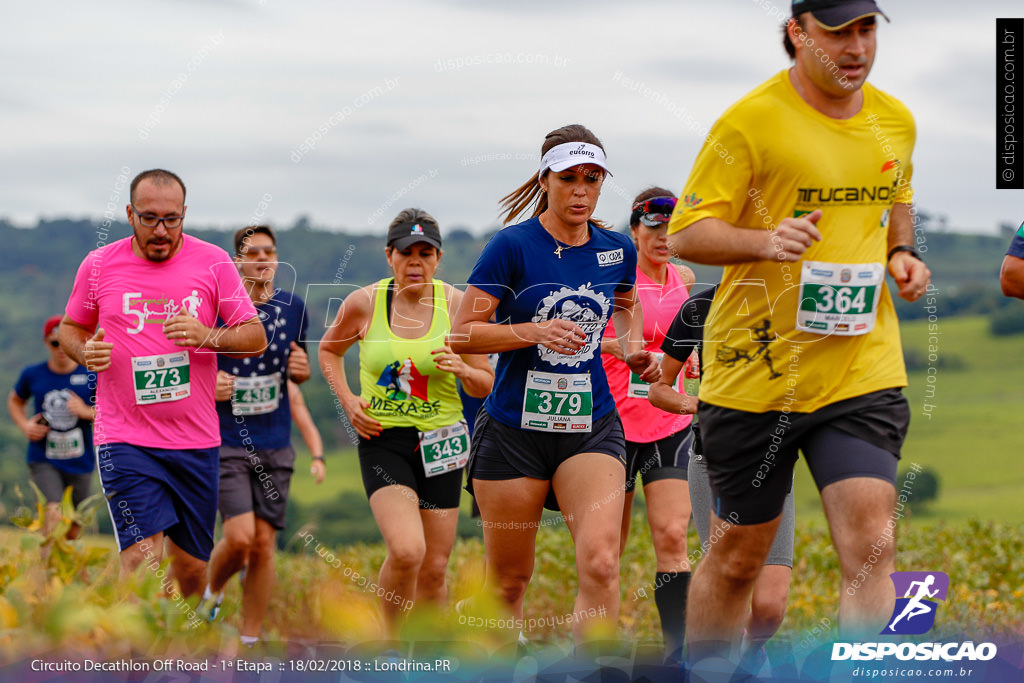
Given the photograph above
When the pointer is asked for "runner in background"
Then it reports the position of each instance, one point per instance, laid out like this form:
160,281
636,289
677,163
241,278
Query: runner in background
143,315
413,441
256,454
550,426
59,433
771,588
1011,275
657,443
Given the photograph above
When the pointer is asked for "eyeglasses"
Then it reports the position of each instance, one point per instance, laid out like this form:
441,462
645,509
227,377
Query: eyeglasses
149,220
655,211
255,251
54,343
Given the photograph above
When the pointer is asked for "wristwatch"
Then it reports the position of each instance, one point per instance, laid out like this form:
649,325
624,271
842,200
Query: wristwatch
903,247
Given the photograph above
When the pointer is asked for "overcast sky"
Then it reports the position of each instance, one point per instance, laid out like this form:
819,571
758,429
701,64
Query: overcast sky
438,104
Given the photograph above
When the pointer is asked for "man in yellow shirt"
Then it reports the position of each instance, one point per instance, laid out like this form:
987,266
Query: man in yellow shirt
802,191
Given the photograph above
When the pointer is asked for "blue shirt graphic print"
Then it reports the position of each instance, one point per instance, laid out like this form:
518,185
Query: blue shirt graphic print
50,392
519,267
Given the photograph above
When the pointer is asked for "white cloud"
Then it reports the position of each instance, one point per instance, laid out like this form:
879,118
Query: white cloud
89,76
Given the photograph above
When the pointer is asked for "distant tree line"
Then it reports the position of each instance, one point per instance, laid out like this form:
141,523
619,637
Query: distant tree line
323,265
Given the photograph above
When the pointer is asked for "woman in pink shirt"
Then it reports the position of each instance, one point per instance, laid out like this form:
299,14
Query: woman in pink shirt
657,443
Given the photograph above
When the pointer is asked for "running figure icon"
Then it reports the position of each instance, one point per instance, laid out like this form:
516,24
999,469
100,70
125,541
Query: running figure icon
915,607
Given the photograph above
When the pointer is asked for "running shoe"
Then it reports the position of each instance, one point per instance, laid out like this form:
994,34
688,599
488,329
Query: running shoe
209,606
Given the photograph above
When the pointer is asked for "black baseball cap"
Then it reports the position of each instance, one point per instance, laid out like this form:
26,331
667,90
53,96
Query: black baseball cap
404,235
835,14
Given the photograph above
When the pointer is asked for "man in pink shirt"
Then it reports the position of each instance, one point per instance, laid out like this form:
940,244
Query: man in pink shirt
143,315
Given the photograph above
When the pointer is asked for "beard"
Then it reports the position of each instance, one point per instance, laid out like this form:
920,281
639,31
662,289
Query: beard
159,249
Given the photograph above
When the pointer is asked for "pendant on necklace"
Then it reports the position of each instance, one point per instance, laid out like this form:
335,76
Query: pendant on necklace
558,251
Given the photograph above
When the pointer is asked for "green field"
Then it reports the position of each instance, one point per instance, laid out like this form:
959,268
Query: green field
972,532
76,604
970,438
342,475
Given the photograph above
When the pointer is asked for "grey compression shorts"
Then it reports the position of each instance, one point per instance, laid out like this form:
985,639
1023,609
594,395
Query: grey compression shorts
781,551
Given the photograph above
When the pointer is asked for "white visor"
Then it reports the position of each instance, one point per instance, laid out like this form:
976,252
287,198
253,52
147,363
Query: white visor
569,154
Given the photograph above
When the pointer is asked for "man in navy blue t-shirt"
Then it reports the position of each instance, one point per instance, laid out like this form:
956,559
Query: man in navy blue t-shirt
256,455
59,433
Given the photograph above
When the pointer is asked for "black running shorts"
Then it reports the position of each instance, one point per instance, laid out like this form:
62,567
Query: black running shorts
502,452
393,459
662,459
750,456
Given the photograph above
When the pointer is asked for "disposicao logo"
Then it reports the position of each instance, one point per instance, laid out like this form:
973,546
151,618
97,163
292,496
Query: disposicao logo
914,613
917,594
691,200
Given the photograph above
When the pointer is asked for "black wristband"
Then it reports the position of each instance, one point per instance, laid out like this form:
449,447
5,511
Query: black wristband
318,457
903,247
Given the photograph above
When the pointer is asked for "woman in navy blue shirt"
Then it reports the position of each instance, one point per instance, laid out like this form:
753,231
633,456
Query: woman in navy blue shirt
59,433
549,431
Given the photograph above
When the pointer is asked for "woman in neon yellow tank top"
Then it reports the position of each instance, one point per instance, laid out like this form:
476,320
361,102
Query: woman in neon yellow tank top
408,415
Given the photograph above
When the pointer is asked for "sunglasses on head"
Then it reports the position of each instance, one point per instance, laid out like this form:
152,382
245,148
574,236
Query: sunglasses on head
655,211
